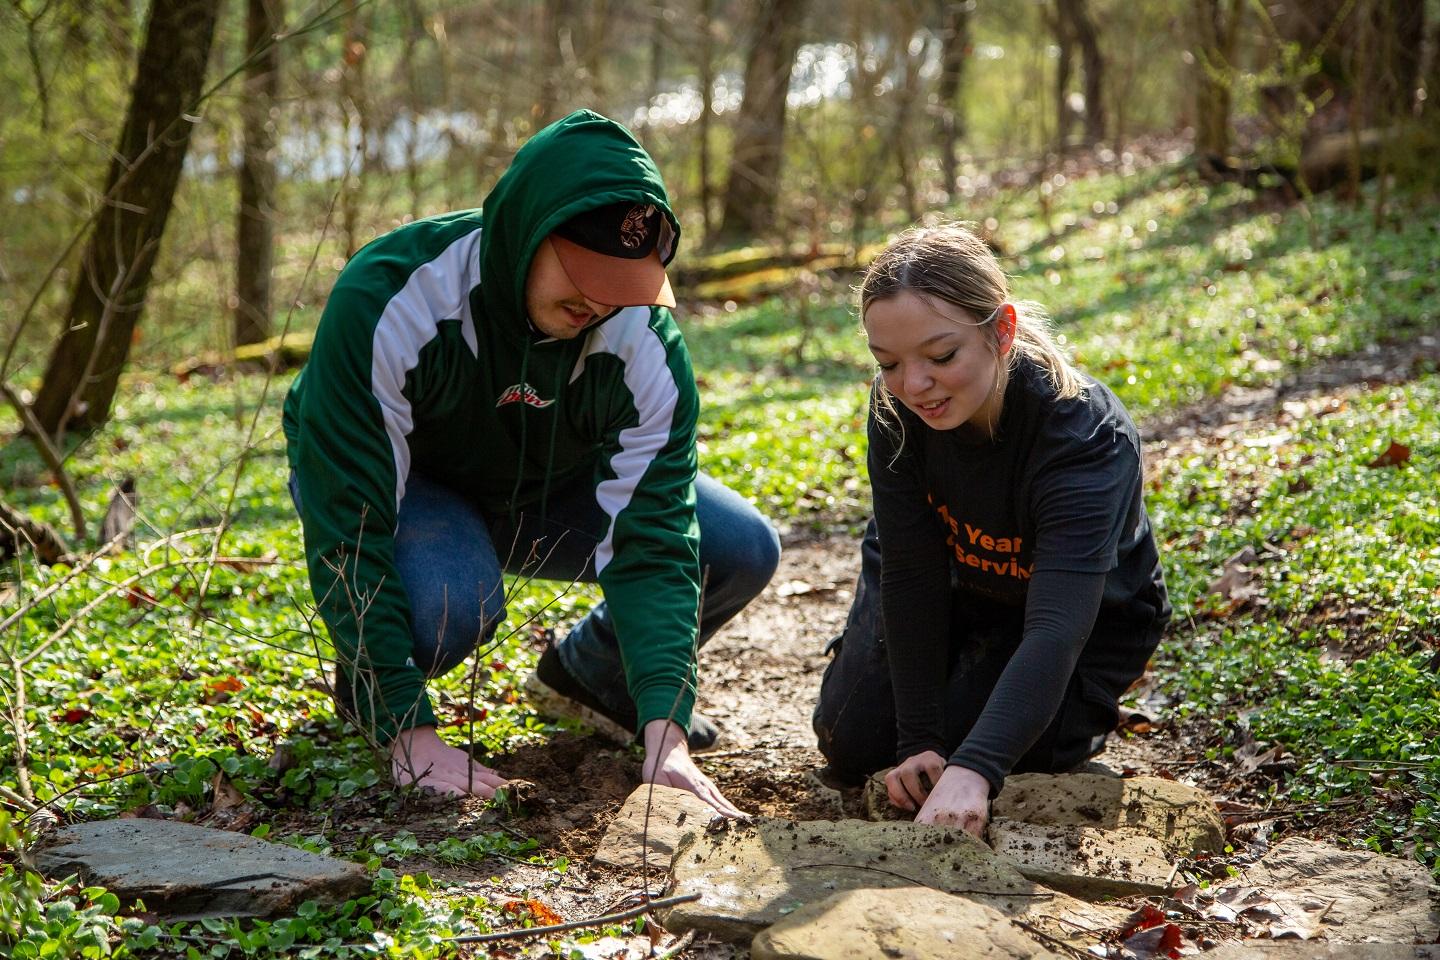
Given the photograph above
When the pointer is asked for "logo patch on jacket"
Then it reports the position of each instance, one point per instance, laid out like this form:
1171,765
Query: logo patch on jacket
522,393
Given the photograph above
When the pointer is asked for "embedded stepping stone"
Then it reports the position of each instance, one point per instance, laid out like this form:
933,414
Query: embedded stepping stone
875,799
629,843
1085,862
185,872
752,875
917,924
1183,818
1319,890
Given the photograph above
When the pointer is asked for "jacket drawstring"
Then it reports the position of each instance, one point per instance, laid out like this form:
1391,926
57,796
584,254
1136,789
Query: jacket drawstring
550,455
520,464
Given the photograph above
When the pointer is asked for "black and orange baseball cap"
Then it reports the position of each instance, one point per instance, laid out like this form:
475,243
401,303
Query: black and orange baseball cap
612,254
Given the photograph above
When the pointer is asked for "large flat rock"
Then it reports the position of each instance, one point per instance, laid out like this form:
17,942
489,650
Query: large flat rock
1085,862
634,839
913,923
185,872
1312,950
1183,818
1328,893
750,876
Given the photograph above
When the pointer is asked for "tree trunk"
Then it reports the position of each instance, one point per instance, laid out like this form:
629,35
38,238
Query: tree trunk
1083,29
115,267
255,243
1065,43
707,112
954,47
414,105
557,55
752,191
354,108
906,95
1430,106
1215,30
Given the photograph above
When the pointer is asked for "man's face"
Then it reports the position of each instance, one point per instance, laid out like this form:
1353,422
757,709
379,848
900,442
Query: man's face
557,309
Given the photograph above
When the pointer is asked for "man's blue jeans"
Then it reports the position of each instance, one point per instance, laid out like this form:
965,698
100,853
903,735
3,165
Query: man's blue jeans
452,557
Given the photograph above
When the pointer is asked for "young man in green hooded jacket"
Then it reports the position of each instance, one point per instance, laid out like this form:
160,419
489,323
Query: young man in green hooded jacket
506,390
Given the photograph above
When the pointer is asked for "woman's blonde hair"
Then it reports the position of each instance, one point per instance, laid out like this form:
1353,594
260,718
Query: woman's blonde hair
949,262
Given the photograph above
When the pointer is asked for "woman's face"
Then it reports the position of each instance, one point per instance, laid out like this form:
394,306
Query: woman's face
936,359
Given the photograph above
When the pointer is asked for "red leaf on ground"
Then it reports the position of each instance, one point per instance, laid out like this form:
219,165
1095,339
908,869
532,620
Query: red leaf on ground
1143,919
1161,941
73,715
1394,455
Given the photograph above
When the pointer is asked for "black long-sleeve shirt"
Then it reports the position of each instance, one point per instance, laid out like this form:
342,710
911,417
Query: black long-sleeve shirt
1047,516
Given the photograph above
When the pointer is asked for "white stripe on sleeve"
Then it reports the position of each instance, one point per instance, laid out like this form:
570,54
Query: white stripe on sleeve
438,290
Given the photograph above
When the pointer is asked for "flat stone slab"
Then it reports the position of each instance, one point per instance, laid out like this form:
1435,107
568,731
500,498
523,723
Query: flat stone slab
630,842
751,876
185,872
909,922
1183,818
1084,862
1313,950
1322,891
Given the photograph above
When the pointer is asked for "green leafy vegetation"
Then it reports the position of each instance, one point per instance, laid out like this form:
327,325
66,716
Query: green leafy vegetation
1325,641
156,676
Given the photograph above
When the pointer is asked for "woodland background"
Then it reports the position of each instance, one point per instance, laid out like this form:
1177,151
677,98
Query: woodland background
1231,208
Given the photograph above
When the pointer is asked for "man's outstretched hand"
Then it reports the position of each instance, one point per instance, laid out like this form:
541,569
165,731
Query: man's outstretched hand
668,763
419,756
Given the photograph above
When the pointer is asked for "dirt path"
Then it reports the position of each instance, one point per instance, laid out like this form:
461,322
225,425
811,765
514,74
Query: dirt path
760,677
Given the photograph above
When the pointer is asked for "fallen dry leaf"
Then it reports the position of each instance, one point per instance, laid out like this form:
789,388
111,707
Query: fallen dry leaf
538,910
1394,455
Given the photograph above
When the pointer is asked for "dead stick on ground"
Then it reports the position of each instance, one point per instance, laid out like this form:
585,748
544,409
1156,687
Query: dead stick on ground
644,908
678,947
1053,941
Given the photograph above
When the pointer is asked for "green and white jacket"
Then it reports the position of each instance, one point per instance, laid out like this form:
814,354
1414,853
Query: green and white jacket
418,365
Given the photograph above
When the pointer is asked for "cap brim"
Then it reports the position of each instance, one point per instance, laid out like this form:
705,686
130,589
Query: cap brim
614,281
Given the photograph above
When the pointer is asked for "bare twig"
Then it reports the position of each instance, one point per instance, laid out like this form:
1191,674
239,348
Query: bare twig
1053,941
576,924
50,454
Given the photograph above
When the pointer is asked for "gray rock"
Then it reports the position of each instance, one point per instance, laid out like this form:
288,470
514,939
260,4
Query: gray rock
1312,950
752,875
672,813
185,872
1320,890
1181,817
1085,862
909,922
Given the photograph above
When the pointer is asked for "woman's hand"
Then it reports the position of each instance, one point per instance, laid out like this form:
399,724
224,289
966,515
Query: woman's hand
961,798
910,783
419,756
668,763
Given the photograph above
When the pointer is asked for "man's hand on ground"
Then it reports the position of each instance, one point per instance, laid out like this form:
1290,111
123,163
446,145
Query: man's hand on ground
668,763
419,756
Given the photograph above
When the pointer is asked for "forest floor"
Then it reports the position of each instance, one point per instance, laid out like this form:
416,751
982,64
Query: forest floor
760,677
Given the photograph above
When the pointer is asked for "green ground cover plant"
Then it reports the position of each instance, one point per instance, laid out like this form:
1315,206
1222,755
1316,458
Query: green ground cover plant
152,674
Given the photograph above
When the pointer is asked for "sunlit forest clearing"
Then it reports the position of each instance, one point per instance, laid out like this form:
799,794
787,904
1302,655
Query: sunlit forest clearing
1229,210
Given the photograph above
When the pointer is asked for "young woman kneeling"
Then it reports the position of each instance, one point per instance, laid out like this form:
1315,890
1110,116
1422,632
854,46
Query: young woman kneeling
1010,587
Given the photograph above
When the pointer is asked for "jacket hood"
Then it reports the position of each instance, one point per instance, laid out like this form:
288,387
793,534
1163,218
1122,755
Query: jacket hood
573,165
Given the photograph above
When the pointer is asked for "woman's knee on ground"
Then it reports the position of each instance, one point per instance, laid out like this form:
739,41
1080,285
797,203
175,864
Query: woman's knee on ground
853,749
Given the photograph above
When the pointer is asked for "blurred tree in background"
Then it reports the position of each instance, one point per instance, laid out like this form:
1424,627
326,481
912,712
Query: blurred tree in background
773,120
